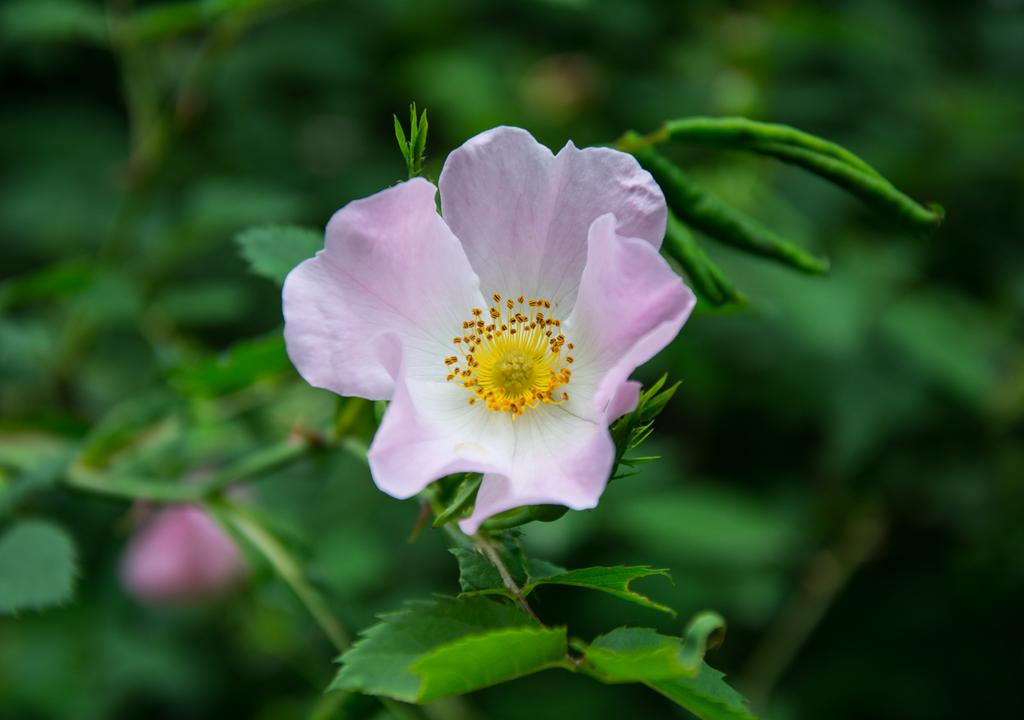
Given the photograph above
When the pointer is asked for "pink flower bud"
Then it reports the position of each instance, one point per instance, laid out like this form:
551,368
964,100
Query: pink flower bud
180,554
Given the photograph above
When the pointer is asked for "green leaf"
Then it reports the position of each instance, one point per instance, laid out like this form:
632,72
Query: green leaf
478,575
707,696
463,499
245,363
613,580
274,250
29,464
707,213
448,646
403,144
637,655
674,669
631,430
37,566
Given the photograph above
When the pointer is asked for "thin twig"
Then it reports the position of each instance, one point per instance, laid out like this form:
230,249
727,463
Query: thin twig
824,579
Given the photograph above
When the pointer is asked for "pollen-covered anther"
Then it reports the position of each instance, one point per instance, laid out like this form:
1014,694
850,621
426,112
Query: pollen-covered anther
515,362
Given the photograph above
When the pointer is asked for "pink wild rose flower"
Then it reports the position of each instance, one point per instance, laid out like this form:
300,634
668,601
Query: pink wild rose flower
180,554
503,334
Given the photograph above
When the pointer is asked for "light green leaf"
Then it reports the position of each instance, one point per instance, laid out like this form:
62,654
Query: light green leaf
707,696
273,250
37,567
478,661
448,646
637,655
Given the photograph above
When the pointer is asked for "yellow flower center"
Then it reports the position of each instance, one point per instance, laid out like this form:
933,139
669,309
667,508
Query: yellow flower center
512,360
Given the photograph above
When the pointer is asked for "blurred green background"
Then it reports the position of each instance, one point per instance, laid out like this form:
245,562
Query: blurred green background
842,468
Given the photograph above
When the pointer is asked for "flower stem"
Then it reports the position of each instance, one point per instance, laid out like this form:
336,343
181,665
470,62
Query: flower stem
286,566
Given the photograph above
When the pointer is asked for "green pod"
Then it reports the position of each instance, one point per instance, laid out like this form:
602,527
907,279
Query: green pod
707,279
700,209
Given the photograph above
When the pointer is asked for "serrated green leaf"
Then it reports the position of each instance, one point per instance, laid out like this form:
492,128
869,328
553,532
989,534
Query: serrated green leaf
614,580
668,666
637,655
478,575
478,661
707,696
274,250
448,646
37,567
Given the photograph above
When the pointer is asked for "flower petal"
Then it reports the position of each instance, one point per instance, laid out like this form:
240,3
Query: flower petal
430,430
630,305
390,264
624,400
523,214
559,458
547,455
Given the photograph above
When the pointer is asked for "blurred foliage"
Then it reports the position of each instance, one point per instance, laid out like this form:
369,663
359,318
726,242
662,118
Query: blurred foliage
841,469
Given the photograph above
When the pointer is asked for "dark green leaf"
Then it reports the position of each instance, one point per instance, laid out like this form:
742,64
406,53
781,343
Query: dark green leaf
463,499
274,250
674,669
37,567
614,580
478,575
448,646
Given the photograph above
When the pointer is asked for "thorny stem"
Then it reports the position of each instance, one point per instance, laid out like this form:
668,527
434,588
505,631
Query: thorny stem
485,546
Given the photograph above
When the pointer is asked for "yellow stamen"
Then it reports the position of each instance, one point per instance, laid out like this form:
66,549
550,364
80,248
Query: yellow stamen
516,363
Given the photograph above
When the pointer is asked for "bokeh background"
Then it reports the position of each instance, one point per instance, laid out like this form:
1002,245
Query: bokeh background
842,467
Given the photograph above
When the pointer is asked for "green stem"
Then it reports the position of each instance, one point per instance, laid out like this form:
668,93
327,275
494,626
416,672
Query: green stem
130,488
289,570
285,566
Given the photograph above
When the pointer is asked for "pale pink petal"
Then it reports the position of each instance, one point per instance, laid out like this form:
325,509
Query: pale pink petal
547,455
390,264
523,214
180,554
624,400
630,305
559,459
430,430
